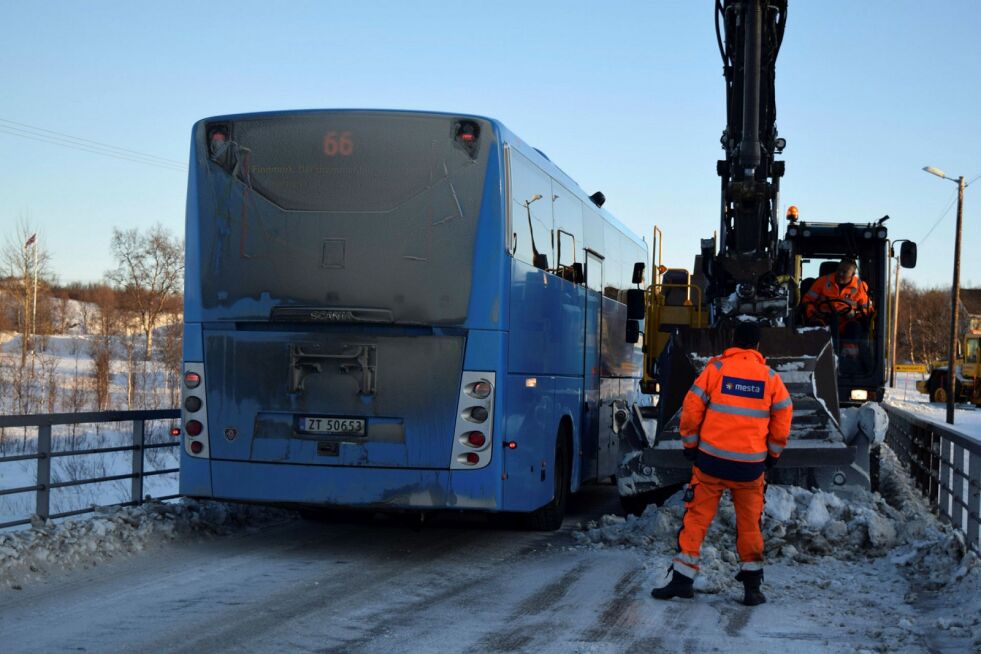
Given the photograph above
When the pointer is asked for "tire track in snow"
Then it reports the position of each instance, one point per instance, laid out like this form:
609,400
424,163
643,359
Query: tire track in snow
540,601
616,613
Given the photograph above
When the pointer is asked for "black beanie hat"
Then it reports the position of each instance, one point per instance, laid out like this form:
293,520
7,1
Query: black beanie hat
747,335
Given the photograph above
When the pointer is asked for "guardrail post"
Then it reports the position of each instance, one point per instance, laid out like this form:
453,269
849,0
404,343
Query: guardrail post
137,481
43,508
974,497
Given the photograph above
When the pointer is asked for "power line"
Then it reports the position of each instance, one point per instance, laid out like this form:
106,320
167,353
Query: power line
87,145
943,214
42,139
946,211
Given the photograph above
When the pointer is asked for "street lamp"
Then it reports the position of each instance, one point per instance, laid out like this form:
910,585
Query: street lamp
955,291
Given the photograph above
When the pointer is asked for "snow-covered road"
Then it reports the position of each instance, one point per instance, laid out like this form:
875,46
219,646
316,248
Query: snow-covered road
458,586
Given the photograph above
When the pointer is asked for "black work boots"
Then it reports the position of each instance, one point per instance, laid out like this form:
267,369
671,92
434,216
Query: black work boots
679,586
751,583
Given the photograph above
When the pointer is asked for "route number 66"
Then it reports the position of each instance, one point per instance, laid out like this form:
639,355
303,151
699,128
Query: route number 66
338,143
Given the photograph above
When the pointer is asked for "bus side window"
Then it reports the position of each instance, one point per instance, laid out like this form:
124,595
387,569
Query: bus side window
592,233
594,272
612,263
567,210
531,213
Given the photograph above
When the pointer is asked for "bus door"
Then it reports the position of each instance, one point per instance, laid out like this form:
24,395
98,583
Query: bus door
591,365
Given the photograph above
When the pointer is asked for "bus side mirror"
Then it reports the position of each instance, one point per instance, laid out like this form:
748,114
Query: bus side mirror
635,304
907,254
633,331
638,276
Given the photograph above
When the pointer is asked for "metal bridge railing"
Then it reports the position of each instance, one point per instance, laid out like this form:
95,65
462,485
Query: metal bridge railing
945,466
45,453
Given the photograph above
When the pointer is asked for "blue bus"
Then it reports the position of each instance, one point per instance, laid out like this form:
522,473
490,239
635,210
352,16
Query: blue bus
399,310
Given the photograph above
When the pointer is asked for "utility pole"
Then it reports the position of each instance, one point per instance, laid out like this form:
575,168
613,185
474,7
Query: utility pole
955,291
955,301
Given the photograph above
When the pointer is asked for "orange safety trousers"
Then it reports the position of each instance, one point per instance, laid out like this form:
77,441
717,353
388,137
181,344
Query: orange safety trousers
702,501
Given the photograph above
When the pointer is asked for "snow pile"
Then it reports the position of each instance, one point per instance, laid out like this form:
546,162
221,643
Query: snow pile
117,531
870,419
814,527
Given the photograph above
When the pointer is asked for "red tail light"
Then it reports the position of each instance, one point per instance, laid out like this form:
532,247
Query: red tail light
476,439
196,447
193,428
175,431
192,379
472,458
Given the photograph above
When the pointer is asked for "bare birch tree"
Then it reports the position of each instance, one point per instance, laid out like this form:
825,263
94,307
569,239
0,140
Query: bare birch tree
26,263
149,272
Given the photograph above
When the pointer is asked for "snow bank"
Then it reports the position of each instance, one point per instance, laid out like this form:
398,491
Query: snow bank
829,534
118,531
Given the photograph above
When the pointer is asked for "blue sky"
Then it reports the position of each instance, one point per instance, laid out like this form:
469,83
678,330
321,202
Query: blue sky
626,97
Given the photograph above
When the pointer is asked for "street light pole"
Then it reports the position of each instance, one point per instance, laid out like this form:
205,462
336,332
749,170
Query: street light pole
955,301
955,291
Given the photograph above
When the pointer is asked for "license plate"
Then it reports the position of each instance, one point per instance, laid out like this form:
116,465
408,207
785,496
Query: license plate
340,426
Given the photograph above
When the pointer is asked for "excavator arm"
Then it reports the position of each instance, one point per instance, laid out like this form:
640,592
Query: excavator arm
748,269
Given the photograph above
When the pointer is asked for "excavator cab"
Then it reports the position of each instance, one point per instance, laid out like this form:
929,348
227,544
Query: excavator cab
860,342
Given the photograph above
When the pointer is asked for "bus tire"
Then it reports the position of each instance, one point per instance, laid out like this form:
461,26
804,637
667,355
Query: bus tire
550,516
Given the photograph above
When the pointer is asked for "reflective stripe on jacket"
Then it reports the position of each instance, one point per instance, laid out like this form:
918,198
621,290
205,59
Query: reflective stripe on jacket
736,412
855,295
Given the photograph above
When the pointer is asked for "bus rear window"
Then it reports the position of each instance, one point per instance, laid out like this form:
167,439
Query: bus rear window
343,162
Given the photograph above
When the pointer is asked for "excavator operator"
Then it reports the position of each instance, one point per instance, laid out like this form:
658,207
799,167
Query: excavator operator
840,294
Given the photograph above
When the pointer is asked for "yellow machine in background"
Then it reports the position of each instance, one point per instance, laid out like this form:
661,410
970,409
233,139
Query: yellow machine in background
967,388
672,302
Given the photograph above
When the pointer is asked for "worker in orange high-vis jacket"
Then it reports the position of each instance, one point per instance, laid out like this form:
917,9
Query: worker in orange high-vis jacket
735,422
841,293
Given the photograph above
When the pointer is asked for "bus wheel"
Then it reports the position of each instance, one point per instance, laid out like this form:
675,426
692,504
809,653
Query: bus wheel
549,517
940,395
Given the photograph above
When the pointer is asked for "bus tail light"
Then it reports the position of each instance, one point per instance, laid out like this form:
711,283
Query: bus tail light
194,414
474,430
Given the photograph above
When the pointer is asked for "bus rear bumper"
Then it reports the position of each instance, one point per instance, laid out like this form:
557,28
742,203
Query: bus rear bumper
383,488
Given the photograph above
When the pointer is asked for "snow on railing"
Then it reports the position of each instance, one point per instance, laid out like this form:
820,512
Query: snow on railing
945,466
38,447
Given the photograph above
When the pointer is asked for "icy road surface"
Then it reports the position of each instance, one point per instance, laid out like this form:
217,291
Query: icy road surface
457,586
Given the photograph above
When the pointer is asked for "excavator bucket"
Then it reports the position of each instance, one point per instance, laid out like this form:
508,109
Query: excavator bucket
816,455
